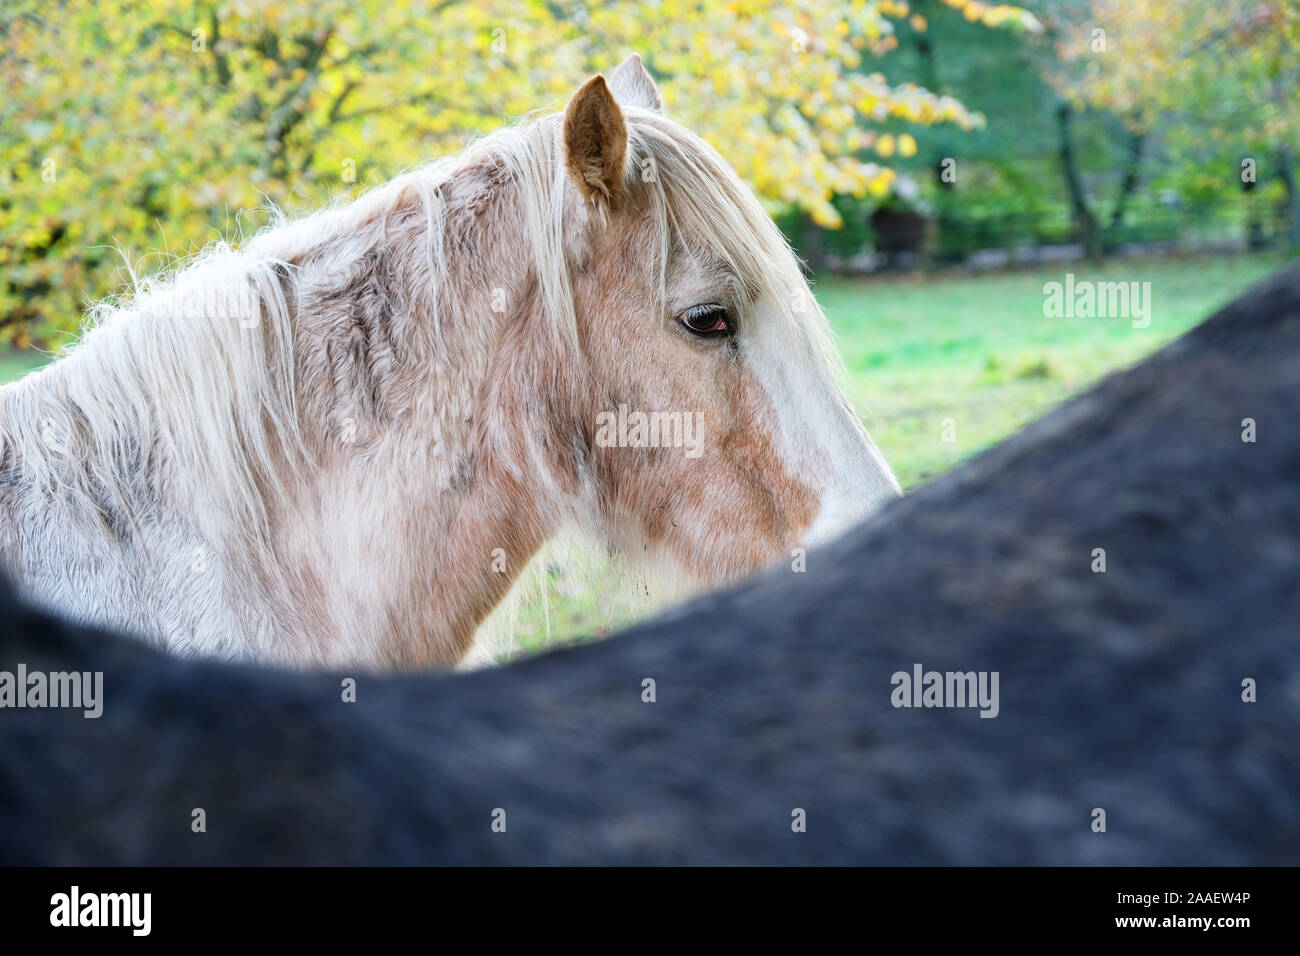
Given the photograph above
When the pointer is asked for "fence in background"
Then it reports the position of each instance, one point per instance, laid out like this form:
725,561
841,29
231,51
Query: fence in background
903,239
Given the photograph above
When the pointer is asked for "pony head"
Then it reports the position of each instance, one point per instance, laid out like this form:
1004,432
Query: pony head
697,418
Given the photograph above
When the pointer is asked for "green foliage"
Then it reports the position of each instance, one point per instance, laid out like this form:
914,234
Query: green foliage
169,123
1205,85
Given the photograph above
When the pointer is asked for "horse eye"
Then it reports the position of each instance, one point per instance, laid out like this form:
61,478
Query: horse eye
707,321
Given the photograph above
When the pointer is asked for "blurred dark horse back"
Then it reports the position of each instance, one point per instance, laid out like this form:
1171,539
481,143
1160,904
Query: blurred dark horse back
1147,713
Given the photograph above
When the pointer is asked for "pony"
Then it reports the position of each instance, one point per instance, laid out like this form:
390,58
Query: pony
340,443
1146,715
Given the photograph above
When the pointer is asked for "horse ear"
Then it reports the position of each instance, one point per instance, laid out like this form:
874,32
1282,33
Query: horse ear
633,85
595,141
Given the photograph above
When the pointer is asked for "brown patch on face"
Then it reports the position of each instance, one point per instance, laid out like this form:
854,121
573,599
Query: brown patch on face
728,512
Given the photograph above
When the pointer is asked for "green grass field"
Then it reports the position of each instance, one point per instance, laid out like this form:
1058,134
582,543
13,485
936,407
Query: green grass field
976,350
980,351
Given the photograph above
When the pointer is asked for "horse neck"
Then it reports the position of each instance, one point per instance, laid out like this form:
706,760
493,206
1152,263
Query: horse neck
431,496
394,496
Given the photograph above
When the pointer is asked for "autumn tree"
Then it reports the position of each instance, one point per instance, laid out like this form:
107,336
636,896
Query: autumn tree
164,124
1218,72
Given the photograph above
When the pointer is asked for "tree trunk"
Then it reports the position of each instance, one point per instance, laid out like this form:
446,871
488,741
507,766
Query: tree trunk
1128,186
1287,174
929,72
1084,218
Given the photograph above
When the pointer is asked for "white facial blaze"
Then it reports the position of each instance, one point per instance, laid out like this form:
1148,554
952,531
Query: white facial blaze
819,437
